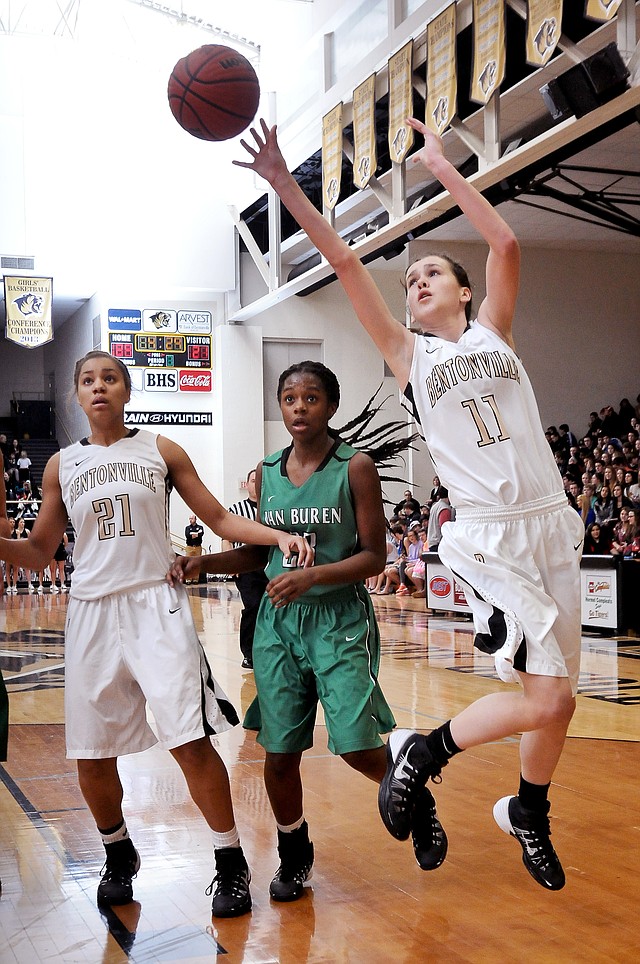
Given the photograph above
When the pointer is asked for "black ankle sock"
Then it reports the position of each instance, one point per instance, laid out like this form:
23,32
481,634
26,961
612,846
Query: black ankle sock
533,796
441,743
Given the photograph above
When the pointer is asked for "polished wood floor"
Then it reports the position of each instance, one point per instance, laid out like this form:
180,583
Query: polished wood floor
369,903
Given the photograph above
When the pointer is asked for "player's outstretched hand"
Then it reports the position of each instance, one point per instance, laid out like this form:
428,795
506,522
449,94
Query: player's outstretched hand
266,157
292,545
433,148
184,567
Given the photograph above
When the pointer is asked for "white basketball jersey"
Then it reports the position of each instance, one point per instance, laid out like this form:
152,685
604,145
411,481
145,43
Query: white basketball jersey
475,408
117,498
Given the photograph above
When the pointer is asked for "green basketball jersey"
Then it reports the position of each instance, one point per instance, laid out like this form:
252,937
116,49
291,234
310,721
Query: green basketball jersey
321,510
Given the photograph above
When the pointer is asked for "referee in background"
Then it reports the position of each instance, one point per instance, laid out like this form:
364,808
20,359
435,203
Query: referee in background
251,585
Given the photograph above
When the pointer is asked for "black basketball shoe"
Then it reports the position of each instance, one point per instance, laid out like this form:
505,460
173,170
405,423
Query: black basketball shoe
296,862
409,765
231,896
120,867
429,839
532,831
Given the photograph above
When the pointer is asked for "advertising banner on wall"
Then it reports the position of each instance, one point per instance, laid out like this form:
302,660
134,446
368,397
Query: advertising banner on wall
365,158
27,302
488,49
400,103
331,156
544,23
442,82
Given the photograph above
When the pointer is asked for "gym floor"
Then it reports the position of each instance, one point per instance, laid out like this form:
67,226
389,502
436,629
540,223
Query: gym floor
368,902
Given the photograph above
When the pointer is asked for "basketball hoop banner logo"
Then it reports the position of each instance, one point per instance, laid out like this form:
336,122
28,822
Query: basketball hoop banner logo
195,381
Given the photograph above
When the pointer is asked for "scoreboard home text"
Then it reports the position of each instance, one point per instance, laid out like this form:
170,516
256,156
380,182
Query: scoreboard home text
143,350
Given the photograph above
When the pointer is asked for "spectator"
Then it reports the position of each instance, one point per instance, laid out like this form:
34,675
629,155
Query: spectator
24,466
596,541
625,413
408,497
603,507
567,437
193,536
250,585
611,422
623,532
441,512
391,573
632,489
585,505
595,424
620,501
412,549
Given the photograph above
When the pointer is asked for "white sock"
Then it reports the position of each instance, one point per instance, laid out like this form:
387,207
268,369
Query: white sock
289,828
230,838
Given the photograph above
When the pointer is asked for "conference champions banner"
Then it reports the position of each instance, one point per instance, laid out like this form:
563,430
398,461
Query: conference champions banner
27,303
442,81
488,49
601,9
400,103
331,156
365,159
544,23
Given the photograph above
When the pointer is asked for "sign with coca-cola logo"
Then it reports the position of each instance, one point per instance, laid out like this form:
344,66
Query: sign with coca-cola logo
195,381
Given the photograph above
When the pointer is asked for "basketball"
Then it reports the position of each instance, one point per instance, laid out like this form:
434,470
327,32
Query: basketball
214,92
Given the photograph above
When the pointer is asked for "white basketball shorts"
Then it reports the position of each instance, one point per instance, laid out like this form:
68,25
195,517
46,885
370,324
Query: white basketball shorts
133,649
520,568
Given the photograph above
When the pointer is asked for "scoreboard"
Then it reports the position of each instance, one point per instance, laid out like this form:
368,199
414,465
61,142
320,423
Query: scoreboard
142,350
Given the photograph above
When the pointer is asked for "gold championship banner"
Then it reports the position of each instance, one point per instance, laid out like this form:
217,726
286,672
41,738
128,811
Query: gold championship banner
331,156
400,102
27,304
601,9
442,81
544,24
365,159
488,49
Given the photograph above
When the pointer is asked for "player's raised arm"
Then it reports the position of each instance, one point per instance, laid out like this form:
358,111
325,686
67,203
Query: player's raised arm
503,263
392,339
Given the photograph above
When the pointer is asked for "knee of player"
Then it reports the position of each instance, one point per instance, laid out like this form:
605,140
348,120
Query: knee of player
556,707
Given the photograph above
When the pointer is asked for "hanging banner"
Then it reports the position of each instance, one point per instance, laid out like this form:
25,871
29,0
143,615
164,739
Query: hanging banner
27,304
331,156
400,103
601,9
442,81
544,23
365,158
488,49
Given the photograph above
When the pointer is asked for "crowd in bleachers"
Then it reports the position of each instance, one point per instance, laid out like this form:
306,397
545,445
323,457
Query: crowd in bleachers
23,496
600,475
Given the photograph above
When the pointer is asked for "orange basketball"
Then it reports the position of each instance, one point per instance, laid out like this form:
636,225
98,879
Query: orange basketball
214,92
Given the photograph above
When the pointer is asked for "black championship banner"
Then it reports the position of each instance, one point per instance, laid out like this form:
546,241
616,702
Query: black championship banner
400,103
442,81
365,159
27,302
544,23
331,157
488,49
601,9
